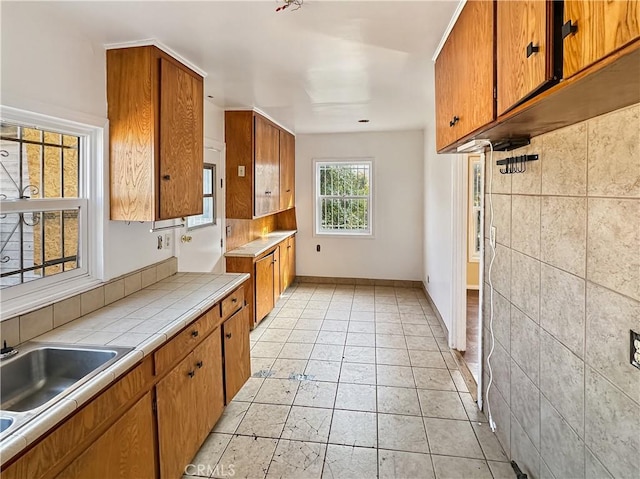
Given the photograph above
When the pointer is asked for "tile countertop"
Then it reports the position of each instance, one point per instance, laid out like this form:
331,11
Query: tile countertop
256,247
143,321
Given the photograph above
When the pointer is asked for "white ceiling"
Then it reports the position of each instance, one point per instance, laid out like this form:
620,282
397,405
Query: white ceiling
318,69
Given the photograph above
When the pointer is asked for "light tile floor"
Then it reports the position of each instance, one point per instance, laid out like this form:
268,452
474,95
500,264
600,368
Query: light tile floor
352,382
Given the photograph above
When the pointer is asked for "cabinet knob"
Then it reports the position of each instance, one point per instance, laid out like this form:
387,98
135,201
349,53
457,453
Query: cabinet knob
191,374
166,177
531,49
234,300
199,364
289,191
454,120
194,333
228,335
569,28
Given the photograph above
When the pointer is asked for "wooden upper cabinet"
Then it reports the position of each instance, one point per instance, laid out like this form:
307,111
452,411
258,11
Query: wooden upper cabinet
260,164
155,110
287,170
464,75
595,28
525,49
267,167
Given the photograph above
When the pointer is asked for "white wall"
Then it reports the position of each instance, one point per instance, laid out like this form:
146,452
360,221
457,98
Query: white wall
49,68
439,175
396,251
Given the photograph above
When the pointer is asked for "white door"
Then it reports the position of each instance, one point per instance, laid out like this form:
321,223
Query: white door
203,249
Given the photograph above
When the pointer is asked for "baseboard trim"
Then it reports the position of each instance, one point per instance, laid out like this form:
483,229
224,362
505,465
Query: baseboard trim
435,309
396,283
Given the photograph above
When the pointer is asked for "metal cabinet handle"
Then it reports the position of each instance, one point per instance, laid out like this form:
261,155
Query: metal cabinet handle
199,364
454,120
191,374
234,300
194,333
288,191
569,28
531,49
166,177
228,335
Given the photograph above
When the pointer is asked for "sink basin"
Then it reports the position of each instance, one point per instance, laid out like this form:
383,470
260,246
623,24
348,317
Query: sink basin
41,372
5,422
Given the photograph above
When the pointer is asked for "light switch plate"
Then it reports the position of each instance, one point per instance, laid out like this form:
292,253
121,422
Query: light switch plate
240,170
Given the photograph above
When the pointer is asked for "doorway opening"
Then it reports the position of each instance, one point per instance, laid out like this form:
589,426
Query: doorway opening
471,355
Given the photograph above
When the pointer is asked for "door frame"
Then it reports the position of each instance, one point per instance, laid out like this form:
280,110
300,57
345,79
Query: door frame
460,202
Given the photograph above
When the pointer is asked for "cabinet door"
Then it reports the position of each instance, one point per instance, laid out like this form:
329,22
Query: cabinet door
287,170
209,383
181,139
264,286
287,263
237,360
126,449
178,428
267,167
601,27
291,253
446,99
524,49
276,274
464,75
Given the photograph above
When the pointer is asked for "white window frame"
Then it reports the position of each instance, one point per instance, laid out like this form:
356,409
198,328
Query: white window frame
32,295
317,200
474,256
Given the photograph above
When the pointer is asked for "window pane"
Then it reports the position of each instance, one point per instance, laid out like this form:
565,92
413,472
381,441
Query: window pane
52,174
71,167
53,138
37,244
208,181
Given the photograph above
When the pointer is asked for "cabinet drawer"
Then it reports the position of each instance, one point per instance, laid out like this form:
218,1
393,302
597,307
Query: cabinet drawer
186,340
232,303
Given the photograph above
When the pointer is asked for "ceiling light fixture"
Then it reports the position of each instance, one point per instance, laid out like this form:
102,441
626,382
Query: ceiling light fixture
288,3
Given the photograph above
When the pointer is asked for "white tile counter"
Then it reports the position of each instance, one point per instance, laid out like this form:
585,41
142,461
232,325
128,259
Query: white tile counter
255,248
143,321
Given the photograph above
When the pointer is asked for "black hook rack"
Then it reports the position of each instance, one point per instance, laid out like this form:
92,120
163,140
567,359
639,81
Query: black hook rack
515,164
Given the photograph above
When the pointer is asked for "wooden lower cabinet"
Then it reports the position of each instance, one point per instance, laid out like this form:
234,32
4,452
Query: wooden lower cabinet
237,359
189,402
264,286
120,435
125,450
287,263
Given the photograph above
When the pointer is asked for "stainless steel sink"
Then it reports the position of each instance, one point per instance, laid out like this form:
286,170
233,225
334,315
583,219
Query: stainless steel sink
5,423
42,372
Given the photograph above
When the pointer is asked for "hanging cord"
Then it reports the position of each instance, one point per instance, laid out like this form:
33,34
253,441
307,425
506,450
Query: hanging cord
492,245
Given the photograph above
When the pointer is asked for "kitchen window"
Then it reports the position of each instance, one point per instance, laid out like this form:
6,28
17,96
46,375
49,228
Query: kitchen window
208,216
48,225
343,194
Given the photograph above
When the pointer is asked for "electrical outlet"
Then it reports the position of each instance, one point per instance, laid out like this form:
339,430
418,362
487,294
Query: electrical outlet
241,172
159,246
167,240
492,236
635,348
